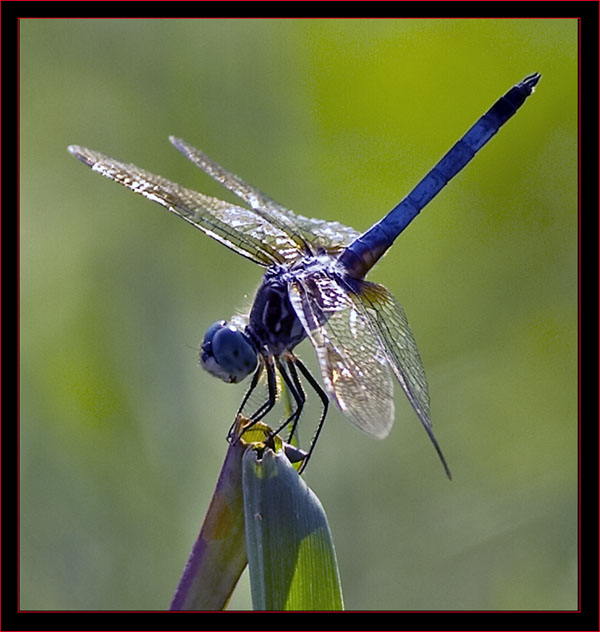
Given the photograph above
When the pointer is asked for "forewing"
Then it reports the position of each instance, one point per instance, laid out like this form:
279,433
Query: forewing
353,363
243,230
389,319
332,236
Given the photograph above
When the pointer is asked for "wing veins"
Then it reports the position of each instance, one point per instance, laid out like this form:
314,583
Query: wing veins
309,234
202,211
354,369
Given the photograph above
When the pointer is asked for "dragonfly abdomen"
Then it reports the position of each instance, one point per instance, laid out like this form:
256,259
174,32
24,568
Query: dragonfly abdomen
362,254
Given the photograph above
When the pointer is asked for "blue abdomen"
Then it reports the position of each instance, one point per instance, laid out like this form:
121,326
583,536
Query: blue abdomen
362,254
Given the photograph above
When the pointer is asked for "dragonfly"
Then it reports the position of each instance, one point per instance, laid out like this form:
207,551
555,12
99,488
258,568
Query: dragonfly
314,287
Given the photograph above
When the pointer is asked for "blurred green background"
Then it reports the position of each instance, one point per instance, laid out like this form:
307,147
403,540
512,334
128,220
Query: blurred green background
122,435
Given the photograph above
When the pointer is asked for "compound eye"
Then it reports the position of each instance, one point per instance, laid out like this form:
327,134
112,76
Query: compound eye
233,352
226,353
211,331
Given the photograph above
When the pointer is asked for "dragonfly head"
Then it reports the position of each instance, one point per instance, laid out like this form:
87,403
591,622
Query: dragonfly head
227,352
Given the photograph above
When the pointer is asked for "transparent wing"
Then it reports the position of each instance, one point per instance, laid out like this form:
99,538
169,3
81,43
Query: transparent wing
353,363
389,319
243,230
331,236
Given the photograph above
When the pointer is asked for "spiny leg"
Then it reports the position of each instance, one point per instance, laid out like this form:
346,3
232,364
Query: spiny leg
296,380
293,383
272,397
249,392
324,400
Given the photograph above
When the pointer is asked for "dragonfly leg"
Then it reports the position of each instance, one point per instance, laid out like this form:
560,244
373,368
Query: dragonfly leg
253,384
272,397
324,400
296,379
293,383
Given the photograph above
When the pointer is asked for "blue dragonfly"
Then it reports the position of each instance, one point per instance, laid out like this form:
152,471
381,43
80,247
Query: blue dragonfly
314,287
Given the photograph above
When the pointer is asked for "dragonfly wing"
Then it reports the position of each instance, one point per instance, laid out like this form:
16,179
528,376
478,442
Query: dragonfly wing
332,236
243,230
389,319
353,363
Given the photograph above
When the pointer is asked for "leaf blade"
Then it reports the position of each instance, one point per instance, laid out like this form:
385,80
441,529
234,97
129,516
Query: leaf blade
290,549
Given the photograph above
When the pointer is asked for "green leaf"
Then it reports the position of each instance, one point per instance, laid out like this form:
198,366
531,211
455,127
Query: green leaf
290,550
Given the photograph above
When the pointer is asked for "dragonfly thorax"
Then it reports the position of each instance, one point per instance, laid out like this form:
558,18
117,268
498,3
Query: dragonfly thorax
273,321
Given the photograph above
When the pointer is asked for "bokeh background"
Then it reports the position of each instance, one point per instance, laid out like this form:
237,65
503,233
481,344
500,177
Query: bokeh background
122,435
